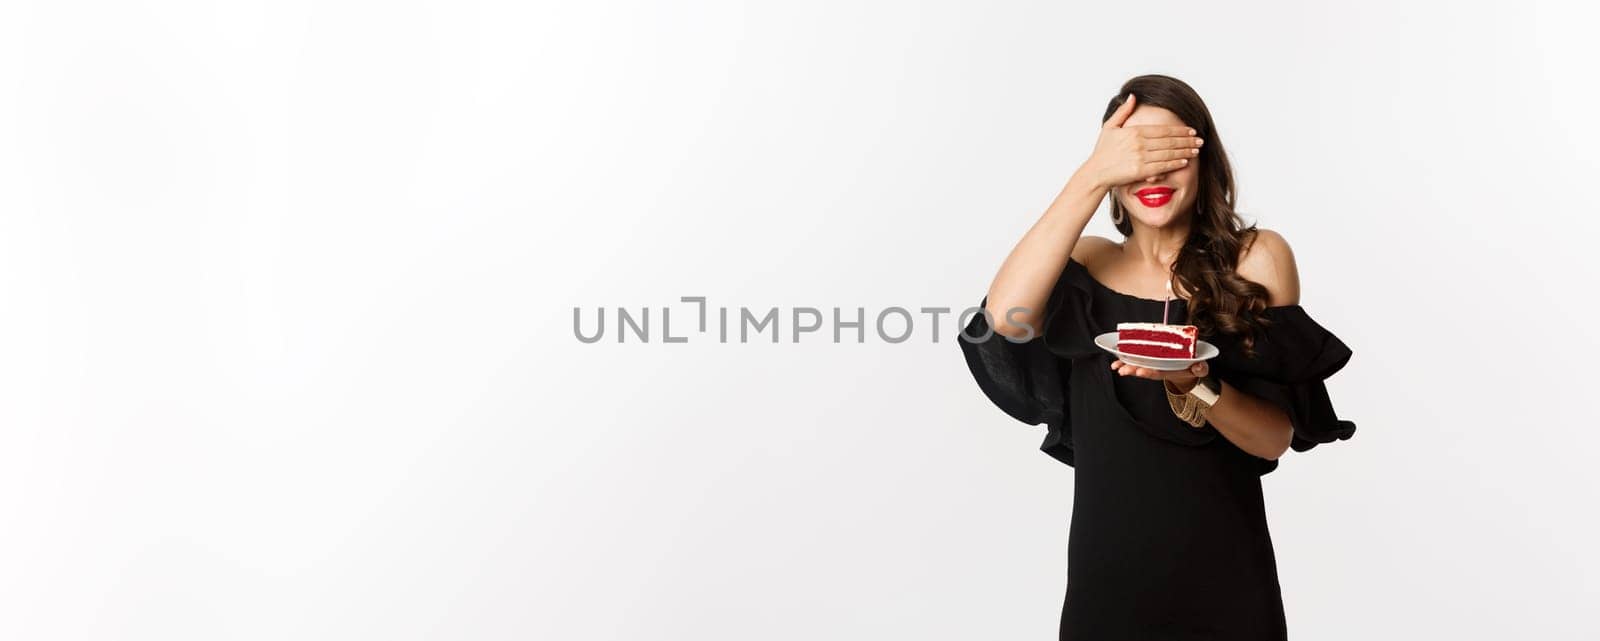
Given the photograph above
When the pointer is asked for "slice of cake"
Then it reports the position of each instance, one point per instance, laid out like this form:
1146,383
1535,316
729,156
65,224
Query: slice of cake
1159,340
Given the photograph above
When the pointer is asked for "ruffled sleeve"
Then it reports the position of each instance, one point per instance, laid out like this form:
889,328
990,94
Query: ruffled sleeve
1294,356
1026,380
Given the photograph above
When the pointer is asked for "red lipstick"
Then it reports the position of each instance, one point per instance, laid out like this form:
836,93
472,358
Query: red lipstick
1154,196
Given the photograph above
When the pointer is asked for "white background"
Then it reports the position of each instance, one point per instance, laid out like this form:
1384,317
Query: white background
286,296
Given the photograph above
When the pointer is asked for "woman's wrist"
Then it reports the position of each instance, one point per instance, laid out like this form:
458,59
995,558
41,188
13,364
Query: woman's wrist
1072,209
1181,387
1087,181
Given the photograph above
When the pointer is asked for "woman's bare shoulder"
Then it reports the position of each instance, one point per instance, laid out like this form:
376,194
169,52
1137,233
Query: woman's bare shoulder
1088,250
1267,259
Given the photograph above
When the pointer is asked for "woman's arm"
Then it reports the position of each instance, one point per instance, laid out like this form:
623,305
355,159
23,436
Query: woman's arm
1018,294
1022,287
1254,425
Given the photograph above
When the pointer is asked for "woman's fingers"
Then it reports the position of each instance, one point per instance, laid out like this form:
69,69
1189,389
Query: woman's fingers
1173,142
1121,114
1127,369
1169,154
1164,166
1164,131
1152,168
1147,167
1122,367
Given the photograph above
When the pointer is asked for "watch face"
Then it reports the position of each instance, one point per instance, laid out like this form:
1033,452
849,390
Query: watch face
1207,390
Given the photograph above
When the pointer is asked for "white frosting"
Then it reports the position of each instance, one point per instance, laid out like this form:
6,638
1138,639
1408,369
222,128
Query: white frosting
1187,333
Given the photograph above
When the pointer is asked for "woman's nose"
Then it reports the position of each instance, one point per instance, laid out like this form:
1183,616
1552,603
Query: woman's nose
1154,179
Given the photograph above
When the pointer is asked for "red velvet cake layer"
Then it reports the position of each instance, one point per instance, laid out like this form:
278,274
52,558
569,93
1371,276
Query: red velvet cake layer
1157,339
1148,335
1157,351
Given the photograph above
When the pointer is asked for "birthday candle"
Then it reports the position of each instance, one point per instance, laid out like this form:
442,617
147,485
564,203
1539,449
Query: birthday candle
1167,303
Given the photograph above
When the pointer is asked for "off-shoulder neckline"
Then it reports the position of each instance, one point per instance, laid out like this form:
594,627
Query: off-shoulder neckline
1090,277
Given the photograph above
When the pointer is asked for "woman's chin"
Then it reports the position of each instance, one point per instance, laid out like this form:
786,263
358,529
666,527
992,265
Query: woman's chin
1158,217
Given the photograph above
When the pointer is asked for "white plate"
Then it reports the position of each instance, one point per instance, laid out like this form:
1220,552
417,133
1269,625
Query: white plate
1202,351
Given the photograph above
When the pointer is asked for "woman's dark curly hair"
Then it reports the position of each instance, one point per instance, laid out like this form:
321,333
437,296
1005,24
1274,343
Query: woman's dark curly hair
1221,301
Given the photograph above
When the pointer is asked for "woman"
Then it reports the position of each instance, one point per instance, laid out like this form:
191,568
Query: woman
1169,536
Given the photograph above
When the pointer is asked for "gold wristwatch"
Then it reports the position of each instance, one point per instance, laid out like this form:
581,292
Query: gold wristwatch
1191,407
1207,389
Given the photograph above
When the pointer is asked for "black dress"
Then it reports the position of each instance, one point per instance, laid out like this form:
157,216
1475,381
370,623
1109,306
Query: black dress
1169,536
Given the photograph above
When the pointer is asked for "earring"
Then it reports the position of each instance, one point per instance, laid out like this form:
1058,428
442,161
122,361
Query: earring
1116,212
